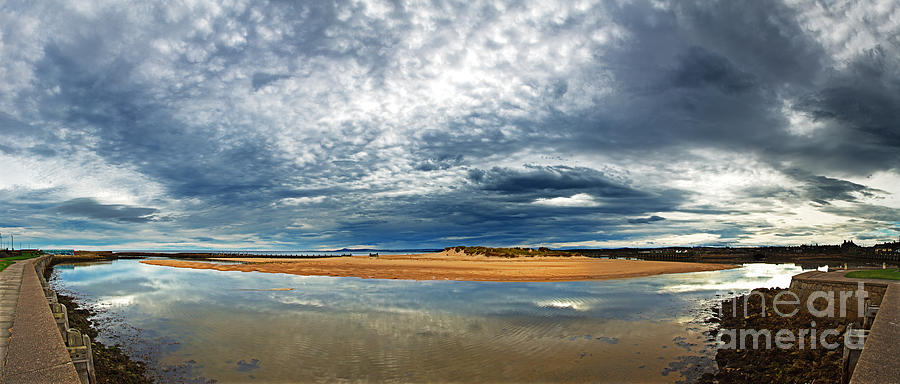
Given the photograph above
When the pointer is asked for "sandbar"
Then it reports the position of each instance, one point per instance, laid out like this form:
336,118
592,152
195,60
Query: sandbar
443,266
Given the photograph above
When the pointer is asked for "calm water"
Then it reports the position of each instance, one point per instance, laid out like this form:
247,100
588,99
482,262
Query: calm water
229,327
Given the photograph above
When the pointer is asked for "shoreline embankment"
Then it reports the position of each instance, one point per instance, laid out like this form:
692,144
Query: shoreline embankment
36,351
824,307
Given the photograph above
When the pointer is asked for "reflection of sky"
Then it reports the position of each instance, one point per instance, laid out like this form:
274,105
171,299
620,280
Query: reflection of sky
153,290
746,278
182,303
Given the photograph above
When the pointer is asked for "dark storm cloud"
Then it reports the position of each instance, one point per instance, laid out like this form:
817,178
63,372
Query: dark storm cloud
11,125
91,209
818,189
488,221
764,36
440,163
261,79
719,73
795,234
860,107
550,181
8,149
698,67
863,97
646,220
868,212
825,189
132,128
684,85
499,206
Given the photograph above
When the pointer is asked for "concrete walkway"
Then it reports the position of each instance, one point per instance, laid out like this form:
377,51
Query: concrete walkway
10,282
35,351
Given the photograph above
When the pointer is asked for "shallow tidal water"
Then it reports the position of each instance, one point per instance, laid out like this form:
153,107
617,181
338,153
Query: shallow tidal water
198,325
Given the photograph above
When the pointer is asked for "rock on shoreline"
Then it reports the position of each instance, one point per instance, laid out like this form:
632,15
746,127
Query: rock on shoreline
112,365
760,365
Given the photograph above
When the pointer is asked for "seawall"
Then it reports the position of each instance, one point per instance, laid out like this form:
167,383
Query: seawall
876,363
806,283
41,348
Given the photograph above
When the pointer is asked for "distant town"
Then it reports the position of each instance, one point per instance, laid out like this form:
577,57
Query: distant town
846,251
888,251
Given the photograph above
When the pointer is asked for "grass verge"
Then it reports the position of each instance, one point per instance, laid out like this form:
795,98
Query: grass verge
887,274
7,261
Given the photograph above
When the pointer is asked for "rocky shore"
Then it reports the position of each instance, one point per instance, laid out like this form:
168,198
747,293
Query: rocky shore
761,365
112,365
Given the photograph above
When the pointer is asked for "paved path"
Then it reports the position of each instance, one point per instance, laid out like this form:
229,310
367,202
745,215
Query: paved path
35,351
10,282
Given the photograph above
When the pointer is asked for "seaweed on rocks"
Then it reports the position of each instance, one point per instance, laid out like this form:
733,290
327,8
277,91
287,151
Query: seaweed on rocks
111,364
776,365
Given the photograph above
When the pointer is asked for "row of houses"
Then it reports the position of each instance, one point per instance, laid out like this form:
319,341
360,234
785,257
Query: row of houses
884,251
887,251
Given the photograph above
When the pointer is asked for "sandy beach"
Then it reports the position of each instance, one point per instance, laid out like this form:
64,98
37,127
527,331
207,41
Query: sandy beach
443,266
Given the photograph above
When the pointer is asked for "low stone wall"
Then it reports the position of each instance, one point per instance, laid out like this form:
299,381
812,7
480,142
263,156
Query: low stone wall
876,362
42,348
77,344
806,283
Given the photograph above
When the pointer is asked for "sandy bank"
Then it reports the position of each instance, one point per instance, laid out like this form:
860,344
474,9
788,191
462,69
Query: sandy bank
440,266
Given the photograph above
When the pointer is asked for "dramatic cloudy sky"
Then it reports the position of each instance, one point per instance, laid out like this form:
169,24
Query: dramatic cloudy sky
306,125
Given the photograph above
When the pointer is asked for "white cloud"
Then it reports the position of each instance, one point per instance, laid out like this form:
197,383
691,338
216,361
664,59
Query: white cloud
303,200
576,200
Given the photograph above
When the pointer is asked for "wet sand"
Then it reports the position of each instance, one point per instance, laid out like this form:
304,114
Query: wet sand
443,266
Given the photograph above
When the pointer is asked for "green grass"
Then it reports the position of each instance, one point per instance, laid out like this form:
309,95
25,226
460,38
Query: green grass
888,274
7,261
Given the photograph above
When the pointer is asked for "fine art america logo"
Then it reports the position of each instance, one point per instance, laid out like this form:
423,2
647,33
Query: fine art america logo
788,304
